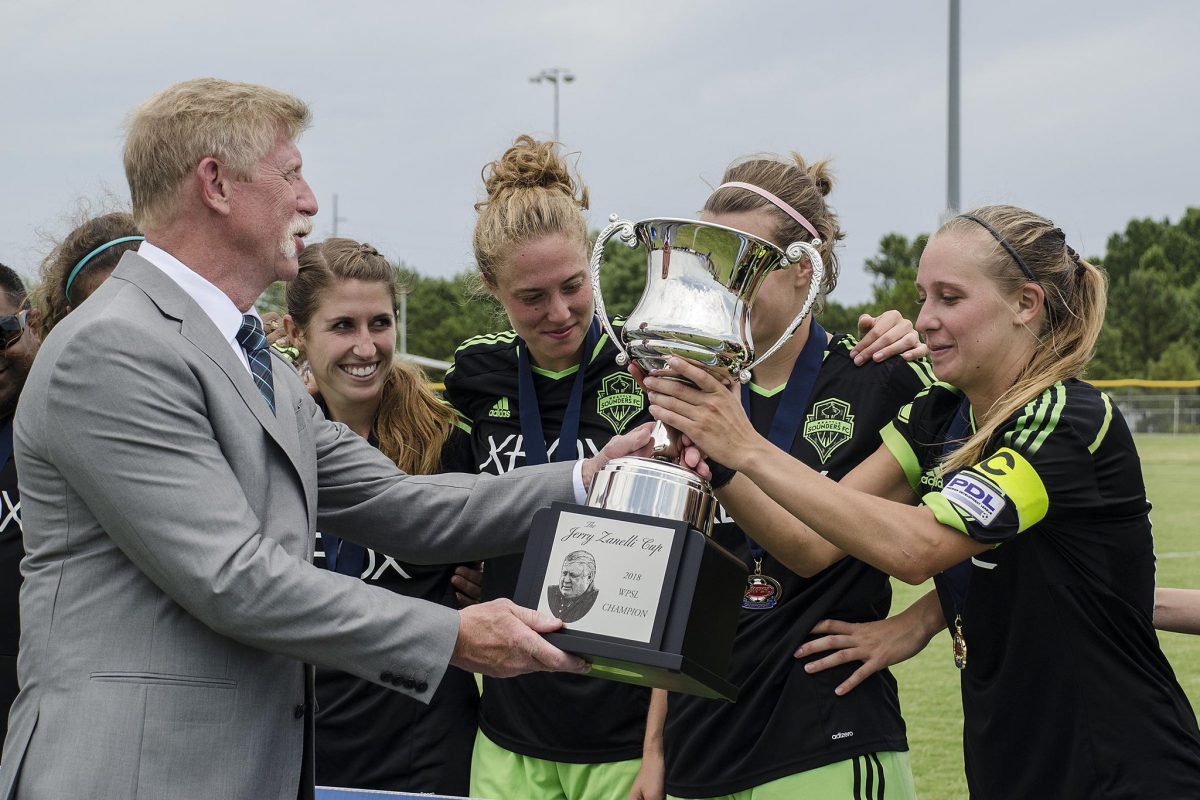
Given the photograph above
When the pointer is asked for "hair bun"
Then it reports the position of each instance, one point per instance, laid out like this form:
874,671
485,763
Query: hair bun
819,173
531,164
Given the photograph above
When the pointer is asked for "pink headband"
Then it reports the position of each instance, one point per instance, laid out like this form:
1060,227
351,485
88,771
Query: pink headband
782,206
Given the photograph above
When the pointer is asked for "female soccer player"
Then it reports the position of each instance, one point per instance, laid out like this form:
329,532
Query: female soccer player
550,389
342,317
788,735
1033,518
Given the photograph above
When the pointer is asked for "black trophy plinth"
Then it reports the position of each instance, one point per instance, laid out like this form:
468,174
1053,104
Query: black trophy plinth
647,601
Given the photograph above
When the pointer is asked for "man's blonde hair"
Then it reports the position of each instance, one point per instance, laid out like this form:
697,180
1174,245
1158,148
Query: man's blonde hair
169,134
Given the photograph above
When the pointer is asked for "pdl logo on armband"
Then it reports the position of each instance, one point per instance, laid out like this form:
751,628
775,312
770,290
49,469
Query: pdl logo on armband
977,497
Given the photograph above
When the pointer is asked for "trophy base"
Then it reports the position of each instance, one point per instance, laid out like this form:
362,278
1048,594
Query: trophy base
654,488
644,667
662,602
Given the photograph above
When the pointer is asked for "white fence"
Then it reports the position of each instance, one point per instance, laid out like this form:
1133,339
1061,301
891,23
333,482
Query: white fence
1158,411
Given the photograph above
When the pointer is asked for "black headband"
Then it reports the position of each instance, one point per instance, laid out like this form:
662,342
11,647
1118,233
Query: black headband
1008,247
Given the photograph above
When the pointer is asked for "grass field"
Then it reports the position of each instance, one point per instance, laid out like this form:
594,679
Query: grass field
929,683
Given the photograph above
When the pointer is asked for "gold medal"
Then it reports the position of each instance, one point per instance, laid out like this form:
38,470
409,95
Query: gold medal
762,591
960,643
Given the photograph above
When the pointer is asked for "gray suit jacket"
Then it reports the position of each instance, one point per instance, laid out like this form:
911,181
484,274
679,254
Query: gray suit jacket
169,605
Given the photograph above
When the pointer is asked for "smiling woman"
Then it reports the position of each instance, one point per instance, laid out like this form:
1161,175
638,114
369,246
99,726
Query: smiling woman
342,315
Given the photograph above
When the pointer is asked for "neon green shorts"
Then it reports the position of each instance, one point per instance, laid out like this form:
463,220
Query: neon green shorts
876,776
499,774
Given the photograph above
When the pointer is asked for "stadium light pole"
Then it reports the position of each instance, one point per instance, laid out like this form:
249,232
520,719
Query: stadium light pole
554,75
953,204
336,218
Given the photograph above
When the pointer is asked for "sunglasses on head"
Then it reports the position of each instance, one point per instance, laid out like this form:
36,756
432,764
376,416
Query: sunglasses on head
12,327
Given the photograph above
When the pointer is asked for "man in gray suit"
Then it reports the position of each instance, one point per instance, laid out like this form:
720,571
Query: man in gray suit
173,474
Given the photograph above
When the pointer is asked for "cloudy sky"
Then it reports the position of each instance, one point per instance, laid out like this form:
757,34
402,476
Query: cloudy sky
1084,111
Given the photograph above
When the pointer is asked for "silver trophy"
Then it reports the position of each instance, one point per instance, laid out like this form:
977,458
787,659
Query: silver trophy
701,281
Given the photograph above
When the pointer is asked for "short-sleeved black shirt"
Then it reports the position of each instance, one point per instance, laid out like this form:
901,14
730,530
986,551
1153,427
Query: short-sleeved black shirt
1065,690
370,737
557,717
785,720
12,550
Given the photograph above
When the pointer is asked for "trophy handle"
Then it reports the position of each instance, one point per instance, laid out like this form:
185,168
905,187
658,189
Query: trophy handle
794,253
622,228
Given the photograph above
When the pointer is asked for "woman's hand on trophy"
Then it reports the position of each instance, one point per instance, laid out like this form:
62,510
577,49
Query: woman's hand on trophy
690,455
887,335
467,581
705,409
634,443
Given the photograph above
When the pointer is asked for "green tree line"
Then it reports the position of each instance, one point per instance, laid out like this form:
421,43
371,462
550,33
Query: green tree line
1150,331
1152,323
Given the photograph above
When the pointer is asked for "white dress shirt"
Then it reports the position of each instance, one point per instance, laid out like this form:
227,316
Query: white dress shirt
212,301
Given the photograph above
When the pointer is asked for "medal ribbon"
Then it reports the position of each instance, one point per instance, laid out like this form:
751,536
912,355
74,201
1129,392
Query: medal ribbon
534,440
954,582
342,555
794,402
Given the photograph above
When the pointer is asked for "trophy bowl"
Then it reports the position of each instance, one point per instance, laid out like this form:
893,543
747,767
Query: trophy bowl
701,282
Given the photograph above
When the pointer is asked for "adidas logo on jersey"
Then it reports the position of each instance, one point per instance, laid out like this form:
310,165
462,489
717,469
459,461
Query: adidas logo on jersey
500,410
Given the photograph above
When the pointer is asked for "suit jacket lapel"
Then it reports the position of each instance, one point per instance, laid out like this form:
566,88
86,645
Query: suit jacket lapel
198,328
289,397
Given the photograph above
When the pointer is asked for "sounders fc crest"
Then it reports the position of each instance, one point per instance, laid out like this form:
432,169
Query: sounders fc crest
828,426
620,399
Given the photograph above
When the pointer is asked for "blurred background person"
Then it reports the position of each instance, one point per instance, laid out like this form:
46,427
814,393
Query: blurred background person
80,263
76,265
18,346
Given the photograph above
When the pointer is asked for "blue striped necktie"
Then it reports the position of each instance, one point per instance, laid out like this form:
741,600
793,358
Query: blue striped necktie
252,339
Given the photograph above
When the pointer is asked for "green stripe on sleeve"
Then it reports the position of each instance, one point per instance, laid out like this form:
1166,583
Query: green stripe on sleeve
922,370
487,338
1060,402
943,511
1043,404
1022,421
1104,427
461,421
900,449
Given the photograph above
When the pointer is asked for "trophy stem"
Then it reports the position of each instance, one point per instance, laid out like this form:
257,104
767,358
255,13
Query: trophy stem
664,441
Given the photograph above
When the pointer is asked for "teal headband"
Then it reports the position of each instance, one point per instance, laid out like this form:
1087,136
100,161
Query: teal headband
84,261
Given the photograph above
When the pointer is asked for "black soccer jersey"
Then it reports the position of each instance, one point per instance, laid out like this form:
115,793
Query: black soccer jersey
556,717
785,720
1065,690
370,737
